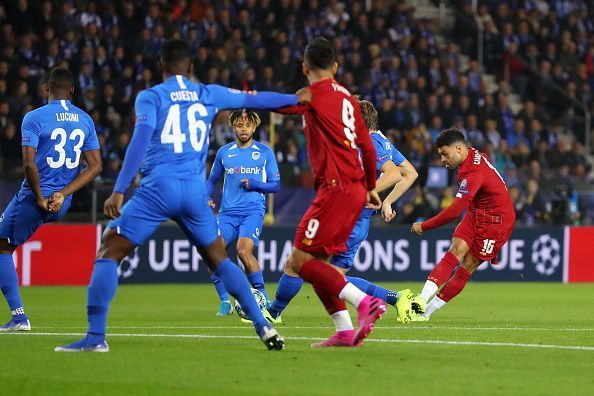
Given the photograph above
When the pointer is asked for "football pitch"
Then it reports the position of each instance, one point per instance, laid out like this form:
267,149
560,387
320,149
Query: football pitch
493,339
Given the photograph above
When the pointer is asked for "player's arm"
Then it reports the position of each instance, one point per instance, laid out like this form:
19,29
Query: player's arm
466,192
30,140
32,175
228,98
368,154
146,121
272,183
215,174
408,176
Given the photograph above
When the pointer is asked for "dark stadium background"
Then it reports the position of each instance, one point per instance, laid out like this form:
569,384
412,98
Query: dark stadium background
515,76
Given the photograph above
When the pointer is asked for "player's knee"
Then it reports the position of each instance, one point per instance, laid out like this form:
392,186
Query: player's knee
458,249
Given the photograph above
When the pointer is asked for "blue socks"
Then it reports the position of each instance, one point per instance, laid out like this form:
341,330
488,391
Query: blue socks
374,290
223,295
288,287
257,281
9,284
236,283
101,290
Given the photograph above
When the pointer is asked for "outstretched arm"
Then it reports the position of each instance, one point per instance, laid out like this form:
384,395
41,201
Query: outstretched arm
445,216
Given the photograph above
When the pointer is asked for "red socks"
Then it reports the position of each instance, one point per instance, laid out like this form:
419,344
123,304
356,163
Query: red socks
443,270
455,285
323,277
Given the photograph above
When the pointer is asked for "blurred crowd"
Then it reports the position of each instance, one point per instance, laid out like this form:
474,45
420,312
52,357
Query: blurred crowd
420,80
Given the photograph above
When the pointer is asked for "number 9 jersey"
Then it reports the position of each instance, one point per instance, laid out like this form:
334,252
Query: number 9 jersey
60,132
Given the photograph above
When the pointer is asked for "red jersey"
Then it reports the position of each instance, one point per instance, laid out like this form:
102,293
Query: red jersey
481,184
480,188
335,133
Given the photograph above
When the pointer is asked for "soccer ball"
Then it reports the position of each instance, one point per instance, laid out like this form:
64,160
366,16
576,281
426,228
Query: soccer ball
260,300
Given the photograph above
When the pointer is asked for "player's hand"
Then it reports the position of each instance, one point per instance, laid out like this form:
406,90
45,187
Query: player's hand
416,228
246,184
388,214
43,204
373,200
55,202
211,204
303,95
113,204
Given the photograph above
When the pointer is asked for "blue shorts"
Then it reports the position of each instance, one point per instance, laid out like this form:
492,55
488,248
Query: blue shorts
346,260
238,225
22,217
153,202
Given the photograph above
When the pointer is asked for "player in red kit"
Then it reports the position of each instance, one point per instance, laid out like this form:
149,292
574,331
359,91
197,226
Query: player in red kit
335,134
484,229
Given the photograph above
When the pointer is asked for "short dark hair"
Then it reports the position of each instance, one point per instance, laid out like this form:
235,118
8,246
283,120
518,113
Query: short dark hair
369,114
448,137
319,54
60,78
174,51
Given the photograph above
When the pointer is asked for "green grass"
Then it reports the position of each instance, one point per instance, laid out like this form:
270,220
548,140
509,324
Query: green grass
390,362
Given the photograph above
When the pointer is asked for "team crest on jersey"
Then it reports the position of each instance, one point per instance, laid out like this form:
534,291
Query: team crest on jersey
255,155
463,187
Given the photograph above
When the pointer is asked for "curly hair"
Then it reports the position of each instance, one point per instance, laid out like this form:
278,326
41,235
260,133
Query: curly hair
250,115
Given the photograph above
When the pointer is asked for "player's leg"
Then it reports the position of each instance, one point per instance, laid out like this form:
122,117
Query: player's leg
9,284
21,218
249,237
288,287
199,224
346,260
228,228
140,217
455,284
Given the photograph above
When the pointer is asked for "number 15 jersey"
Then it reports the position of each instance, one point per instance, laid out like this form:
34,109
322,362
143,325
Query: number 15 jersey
60,132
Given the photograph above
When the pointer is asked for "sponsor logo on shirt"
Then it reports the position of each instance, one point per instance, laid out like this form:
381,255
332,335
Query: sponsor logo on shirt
231,155
26,139
383,157
242,170
140,117
463,187
255,155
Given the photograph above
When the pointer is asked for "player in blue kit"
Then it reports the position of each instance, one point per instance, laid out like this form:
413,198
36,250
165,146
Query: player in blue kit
392,170
250,171
170,139
53,138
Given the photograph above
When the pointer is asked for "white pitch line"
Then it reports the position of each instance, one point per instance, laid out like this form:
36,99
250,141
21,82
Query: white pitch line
395,327
377,340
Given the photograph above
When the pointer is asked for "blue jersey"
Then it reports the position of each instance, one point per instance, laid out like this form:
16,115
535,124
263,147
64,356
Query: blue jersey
385,151
254,162
60,132
181,112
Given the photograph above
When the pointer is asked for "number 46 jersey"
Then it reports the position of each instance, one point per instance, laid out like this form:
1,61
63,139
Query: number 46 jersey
180,112
60,132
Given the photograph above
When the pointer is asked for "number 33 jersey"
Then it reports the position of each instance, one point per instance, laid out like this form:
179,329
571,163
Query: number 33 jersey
60,132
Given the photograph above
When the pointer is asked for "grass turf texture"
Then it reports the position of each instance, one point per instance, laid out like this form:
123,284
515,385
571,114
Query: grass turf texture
162,351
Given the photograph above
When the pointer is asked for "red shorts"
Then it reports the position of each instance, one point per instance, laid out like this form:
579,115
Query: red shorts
485,233
329,221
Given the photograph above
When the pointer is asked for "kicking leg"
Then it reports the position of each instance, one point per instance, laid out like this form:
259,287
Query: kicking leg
454,286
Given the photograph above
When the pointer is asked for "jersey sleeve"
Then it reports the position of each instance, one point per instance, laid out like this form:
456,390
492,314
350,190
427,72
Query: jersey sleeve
146,108
91,141
397,157
272,172
229,98
469,184
29,132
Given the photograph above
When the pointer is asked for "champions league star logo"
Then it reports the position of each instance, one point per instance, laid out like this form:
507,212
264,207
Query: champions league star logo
129,265
546,255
